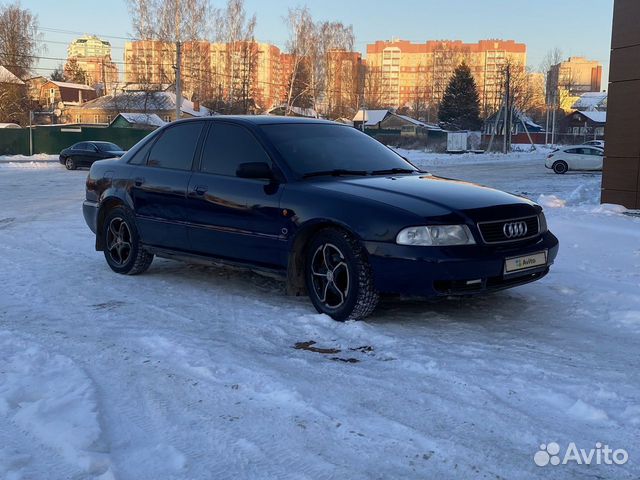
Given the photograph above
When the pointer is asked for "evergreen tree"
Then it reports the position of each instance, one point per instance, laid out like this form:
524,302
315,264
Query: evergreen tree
74,73
58,74
460,105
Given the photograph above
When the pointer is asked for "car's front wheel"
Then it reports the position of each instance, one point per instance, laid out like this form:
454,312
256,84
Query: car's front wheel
338,276
122,250
560,167
70,163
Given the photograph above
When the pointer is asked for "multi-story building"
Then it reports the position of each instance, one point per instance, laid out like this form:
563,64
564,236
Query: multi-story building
209,70
93,56
149,62
567,80
405,71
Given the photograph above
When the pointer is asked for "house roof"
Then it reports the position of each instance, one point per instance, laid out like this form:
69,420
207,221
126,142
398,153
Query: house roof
596,117
428,126
75,86
519,116
371,117
298,111
142,119
591,101
7,77
144,102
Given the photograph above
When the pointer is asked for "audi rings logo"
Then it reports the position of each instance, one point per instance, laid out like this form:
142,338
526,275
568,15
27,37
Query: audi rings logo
515,229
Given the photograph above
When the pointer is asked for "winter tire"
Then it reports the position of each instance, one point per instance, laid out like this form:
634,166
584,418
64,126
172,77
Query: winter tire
70,163
122,250
338,276
560,167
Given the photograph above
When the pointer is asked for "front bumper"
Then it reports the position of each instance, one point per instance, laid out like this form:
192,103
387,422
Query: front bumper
435,271
90,212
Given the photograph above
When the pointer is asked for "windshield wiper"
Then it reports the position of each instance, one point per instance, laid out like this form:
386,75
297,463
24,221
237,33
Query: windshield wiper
335,173
390,171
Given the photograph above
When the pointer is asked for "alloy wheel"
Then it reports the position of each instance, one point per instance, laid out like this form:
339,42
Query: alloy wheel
119,241
330,275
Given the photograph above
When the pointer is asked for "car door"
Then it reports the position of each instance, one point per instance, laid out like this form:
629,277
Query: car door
160,186
232,217
593,158
91,153
79,152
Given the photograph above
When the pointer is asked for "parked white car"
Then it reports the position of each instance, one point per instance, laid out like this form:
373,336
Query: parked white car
579,157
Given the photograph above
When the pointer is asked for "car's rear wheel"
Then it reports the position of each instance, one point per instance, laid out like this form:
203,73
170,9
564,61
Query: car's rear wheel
123,251
338,276
70,163
560,167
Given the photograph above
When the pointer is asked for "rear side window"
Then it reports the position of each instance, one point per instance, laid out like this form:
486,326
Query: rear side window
227,146
176,146
140,157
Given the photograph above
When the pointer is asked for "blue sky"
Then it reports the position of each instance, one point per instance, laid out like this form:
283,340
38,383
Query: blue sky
577,27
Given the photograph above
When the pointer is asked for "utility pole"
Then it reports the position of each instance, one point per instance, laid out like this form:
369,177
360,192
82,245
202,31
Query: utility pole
178,80
507,118
553,120
546,125
30,132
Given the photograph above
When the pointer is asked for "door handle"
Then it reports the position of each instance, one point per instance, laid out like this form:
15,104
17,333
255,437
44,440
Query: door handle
139,181
201,189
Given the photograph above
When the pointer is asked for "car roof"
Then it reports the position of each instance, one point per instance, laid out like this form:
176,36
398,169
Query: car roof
598,147
264,120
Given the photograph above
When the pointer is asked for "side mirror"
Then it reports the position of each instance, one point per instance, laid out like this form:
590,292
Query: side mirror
257,170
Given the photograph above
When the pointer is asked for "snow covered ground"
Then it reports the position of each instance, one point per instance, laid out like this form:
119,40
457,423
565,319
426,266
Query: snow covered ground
190,372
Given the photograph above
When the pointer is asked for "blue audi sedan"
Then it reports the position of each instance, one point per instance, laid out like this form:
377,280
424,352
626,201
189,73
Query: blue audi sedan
339,216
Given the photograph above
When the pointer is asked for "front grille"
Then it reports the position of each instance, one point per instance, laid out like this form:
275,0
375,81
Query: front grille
494,232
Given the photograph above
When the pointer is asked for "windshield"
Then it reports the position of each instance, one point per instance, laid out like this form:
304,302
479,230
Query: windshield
108,147
313,148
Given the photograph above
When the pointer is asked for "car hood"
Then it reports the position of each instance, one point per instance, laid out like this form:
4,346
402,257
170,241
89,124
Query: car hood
429,196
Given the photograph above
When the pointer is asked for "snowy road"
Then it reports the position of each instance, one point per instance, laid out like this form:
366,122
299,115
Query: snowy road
190,372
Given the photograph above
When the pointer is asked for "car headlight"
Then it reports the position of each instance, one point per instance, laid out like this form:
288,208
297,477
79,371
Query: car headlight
542,220
436,235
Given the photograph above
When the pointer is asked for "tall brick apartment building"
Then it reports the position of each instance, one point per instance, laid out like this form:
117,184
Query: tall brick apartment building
407,68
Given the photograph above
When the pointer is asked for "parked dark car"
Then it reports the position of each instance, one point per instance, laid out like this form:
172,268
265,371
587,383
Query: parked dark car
83,154
340,216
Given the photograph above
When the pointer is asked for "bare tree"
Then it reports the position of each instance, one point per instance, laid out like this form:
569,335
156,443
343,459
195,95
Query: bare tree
332,70
373,90
167,25
20,39
14,103
548,67
237,32
421,94
300,47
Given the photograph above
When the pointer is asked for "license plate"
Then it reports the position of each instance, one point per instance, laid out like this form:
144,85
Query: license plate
525,262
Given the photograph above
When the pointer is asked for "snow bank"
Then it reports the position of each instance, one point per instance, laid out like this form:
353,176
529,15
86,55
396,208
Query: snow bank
48,396
551,201
39,157
609,208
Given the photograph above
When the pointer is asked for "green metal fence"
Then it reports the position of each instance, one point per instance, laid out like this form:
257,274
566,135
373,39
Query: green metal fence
52,139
